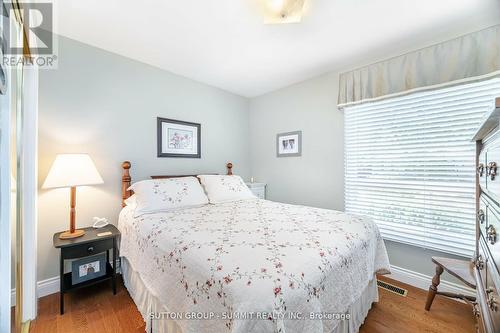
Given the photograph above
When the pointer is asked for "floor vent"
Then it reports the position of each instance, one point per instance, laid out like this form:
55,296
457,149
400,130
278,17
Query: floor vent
392,288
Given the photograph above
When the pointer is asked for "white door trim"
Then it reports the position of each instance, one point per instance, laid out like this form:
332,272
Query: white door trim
30,191
5,208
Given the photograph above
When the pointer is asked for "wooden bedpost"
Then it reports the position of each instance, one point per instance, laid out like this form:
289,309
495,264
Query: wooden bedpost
126,180
229,167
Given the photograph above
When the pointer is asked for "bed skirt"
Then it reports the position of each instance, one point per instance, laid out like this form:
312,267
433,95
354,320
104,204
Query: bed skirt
147,303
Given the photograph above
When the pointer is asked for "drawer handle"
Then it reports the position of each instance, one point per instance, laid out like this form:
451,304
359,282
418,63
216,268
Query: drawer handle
480,169
90,249
492,170
480,216
479,262
491,234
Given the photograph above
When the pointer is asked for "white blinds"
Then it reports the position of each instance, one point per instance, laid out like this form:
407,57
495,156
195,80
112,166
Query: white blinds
409,164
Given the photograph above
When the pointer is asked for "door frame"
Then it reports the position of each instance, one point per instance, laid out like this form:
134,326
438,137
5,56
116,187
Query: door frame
29,185
26,184
5,207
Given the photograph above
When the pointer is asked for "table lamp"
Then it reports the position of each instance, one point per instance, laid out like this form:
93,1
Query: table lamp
72,170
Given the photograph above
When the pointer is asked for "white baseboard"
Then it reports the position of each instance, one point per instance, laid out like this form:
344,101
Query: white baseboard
49,286
415,279
423,281
44,288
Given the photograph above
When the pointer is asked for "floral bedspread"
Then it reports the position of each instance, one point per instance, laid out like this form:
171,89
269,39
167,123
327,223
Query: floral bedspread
253,265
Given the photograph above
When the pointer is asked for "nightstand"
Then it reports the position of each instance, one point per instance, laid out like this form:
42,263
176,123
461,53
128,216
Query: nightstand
259,189
93,252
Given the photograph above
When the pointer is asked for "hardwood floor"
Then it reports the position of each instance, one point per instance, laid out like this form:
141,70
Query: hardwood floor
95,309
396,314
92,309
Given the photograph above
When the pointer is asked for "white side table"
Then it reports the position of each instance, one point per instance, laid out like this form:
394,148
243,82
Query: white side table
259,189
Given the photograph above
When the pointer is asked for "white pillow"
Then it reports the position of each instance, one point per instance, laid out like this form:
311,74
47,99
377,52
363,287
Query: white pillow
131,201
159,195
225,188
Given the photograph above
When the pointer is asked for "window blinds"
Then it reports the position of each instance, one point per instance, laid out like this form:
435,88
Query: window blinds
410,164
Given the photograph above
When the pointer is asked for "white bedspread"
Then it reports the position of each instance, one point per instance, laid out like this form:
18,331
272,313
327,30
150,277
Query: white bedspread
256,259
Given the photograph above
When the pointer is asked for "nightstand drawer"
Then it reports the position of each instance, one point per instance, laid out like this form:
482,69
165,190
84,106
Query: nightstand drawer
87,249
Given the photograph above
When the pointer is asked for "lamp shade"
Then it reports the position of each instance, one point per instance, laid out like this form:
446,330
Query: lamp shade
72,170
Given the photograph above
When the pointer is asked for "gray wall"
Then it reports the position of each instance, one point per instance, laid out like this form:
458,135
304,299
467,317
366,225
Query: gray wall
106,105
317,177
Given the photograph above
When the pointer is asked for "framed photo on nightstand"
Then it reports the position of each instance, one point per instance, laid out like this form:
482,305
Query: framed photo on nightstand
88,268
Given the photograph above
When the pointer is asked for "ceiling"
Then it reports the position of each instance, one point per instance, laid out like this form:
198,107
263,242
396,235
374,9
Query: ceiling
224,43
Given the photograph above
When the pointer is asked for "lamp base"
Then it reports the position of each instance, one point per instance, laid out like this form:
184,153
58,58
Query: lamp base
69,235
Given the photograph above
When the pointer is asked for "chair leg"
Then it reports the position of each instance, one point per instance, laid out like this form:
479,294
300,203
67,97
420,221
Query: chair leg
433,288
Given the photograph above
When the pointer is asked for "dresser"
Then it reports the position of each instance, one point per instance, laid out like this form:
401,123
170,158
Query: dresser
259,189
487,256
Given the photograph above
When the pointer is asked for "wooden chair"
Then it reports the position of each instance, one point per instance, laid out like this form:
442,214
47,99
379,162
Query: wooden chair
461,269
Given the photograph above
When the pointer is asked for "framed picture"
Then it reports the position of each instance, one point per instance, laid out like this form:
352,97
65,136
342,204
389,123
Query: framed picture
177,138
289,144
88,268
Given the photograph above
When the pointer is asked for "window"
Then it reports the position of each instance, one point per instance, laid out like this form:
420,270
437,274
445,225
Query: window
410,164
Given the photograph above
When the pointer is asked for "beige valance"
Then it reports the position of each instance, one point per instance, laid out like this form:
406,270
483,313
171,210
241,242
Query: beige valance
470,57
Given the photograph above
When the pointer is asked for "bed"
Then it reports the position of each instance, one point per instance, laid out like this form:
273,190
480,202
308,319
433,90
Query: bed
250,266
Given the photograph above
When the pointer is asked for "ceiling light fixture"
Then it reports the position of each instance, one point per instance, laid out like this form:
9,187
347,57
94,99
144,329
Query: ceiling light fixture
282,11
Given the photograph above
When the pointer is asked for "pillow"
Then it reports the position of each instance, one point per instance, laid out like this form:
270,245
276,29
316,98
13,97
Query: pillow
131,201
225,188
159,195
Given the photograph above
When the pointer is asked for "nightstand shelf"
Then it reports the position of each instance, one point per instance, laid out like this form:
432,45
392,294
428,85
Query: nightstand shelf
68,285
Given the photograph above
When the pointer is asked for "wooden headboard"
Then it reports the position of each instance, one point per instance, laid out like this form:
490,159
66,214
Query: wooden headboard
127,180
